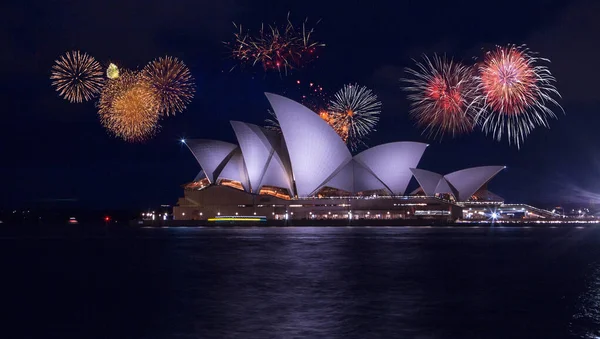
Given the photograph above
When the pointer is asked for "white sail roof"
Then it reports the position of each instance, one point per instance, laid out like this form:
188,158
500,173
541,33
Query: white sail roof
211,155
391,163
311,155
256,149
235,170
468,181
343,179
427,180
364,180
275,175
315,150
262,156
443,187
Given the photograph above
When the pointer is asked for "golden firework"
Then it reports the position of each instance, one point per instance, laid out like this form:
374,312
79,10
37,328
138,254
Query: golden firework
339,125
172,81
112,72
129,107
77,76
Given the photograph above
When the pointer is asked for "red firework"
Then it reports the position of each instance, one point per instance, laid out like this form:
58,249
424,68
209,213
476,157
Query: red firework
508,80
441,93
447,97
513,92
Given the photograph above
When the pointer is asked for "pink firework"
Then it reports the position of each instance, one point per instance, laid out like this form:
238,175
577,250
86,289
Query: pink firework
441,92
513,93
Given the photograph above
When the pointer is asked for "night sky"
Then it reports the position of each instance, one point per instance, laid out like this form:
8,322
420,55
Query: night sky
52,149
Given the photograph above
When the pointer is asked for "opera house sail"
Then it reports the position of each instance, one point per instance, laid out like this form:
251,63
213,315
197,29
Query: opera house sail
308,172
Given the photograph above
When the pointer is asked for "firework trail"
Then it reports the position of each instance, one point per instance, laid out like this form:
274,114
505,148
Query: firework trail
441,94
77,76
513,93
275,48
172,81
129,107
354,112
272,123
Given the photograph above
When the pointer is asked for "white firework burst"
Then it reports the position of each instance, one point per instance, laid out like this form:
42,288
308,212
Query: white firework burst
355,110
514,93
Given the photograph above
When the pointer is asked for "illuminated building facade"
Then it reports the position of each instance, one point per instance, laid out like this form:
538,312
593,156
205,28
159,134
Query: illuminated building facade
307,172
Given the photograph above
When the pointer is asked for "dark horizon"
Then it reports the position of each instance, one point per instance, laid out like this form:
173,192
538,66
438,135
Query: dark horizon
57,150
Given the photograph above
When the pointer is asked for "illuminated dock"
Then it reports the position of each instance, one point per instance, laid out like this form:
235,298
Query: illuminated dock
241,218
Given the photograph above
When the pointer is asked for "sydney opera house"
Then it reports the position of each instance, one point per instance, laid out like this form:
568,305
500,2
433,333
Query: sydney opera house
307,172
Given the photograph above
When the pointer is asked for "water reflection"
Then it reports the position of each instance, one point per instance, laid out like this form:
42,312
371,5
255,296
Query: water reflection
586,320
492,283
301,283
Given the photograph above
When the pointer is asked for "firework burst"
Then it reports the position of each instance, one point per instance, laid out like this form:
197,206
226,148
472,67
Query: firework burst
112,72
354,112
275,48
172,81
513,93
441,94
77,76
129,107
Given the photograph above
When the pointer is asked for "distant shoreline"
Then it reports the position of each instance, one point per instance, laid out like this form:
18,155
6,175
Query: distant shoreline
133,225
363,223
